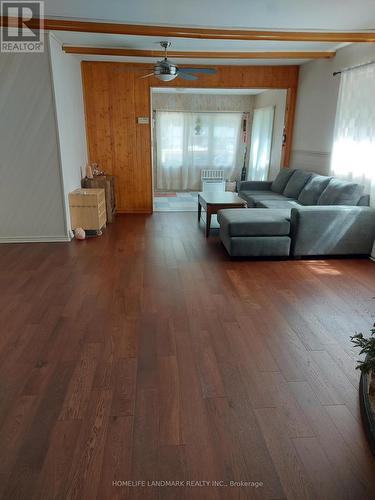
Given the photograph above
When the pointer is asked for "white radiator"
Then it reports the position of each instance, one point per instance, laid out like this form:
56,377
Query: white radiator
213,180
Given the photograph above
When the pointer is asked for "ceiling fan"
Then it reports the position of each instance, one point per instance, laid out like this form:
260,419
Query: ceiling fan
165,70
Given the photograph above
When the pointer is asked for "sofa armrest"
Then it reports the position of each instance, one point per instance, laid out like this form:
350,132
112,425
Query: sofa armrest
254,185
332,230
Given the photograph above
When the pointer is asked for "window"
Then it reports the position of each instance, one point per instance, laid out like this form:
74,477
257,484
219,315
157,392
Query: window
353,152
187,142
261,144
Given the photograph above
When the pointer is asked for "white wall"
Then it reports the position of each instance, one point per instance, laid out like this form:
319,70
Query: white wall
42,143
31,196
276,98
316,106
67,85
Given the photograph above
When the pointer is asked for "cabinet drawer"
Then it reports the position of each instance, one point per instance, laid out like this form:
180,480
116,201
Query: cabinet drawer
85,217
86,197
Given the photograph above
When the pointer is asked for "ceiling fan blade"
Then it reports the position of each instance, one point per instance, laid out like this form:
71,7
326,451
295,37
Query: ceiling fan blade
146,76
186,76
130,68
208,71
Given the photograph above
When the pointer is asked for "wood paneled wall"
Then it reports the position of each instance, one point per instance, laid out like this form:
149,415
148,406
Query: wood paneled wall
115,97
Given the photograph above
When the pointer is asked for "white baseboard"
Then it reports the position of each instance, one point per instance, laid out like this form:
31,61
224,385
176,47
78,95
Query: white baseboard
34,239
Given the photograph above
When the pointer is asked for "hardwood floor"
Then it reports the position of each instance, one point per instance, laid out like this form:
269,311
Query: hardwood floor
149,355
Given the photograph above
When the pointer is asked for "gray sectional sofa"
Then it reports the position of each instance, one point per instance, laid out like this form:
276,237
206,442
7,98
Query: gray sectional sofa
299,214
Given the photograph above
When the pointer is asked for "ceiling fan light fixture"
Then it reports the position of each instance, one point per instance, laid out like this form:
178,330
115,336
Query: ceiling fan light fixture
165,71
164,77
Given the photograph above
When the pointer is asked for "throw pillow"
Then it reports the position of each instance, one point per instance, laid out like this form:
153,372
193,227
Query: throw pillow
341,193
296,183
281,180
313,189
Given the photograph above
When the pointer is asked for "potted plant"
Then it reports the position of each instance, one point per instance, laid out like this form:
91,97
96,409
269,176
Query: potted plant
367,382
367,366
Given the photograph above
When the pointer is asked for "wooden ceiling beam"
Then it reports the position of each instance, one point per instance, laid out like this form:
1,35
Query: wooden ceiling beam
203,33
107,51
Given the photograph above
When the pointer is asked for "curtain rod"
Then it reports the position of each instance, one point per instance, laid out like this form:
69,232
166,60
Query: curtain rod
353,67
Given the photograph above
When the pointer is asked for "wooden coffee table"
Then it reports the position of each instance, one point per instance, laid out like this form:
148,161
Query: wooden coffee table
213,202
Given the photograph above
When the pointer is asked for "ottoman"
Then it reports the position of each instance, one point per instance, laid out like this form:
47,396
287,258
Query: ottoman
255,232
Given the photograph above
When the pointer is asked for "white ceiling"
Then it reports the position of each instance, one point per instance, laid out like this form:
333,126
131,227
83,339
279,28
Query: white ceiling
178,90
183,44
252,14
267,14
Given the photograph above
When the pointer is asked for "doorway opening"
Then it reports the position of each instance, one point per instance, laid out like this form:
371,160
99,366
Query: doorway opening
209,139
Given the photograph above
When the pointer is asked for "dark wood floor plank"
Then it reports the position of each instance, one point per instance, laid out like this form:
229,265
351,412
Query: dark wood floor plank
144,462
281,397
318,469
308,328
14,429
231,464
344,465
149,354
170,402
172,467
252,378
117,458
346,361
147,372
199,454
63,345
126,334
124,383
84,476
263,358
242,420
335,377
209,373
352,433
52,479
291,471
79,391
32,453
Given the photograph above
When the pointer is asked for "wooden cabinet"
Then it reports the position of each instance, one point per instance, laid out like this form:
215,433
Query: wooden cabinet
107,182
87,209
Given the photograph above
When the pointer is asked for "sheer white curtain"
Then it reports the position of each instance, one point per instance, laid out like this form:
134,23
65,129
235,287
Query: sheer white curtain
353,152
188,142
261,144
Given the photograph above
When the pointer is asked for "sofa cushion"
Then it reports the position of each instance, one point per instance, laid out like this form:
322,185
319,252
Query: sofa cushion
296,183
250,222
286,204
252,196
281,180
341,193
313,189
264,194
